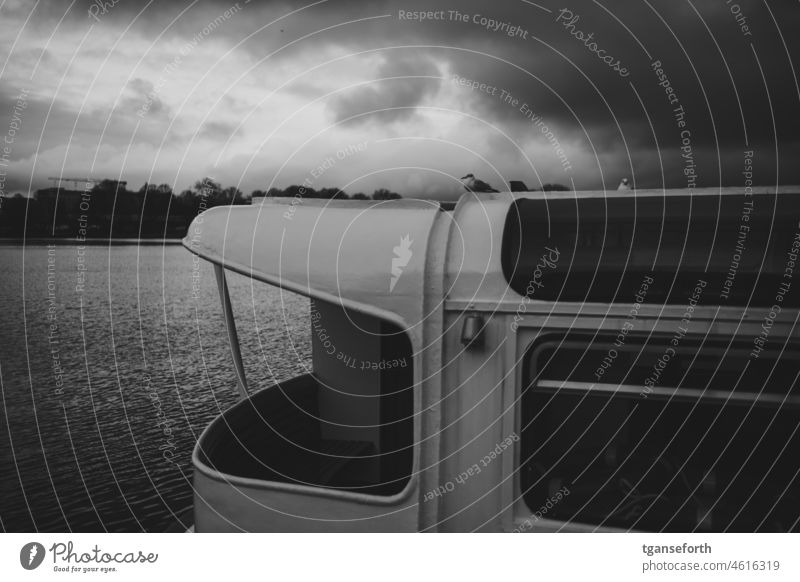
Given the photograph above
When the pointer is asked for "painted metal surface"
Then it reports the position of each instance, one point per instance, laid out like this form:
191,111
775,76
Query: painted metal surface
474,270
235,501
368,256
345,252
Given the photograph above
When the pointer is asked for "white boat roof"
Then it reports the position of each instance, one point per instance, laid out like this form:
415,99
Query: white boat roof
365,255
350,252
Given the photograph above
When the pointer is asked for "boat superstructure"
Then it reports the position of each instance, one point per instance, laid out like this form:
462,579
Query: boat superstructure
530,361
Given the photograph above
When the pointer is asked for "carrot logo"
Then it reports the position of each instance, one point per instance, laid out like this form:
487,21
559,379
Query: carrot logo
31,555
402,254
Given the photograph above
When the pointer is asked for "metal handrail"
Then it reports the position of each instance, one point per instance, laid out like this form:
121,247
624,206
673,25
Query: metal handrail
230,325
672,393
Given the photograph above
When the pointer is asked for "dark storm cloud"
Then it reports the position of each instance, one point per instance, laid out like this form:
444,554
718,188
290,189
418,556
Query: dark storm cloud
560,79
41,117
401,84
218,130
141,93
44,124
731,66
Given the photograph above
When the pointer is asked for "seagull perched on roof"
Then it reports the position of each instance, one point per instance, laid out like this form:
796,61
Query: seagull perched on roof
623,185
472,184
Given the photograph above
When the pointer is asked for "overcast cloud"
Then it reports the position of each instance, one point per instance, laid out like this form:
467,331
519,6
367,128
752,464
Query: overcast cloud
257,94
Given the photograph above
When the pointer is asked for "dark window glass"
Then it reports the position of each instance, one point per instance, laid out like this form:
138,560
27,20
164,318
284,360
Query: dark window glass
712,444
741,246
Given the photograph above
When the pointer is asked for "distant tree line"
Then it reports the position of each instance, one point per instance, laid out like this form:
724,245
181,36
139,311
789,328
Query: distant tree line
110,210
296,191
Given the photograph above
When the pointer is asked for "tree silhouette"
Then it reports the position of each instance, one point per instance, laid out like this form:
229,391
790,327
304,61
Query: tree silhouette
299,192
207,188
230,195
276,192
384,194
332,194
151,211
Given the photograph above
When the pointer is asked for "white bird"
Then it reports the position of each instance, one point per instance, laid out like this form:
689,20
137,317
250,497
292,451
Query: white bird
472,184
623,185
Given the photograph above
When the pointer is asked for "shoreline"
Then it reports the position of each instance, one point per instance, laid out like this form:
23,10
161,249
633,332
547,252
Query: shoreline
67,241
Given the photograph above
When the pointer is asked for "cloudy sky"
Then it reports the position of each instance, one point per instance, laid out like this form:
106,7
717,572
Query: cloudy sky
362,95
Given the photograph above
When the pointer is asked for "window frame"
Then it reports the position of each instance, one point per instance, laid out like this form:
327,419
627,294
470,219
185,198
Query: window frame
532,339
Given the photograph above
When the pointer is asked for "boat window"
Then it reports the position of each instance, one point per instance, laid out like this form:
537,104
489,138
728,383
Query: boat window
654,437
344,424
601,249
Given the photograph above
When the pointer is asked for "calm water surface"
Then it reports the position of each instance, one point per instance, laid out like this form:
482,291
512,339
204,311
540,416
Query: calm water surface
106,387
